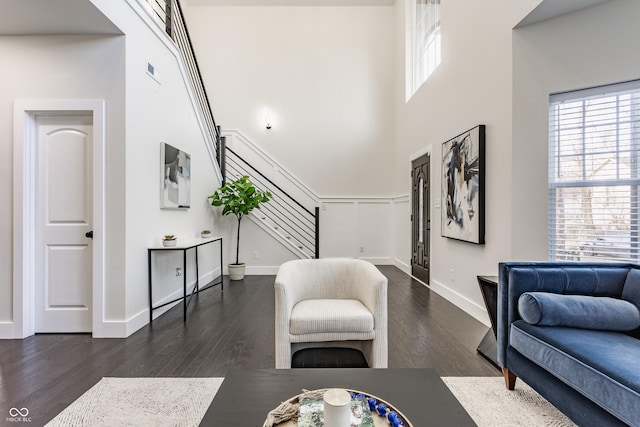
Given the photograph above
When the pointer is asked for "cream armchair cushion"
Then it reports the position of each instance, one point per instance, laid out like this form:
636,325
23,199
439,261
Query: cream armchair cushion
316,316
331,303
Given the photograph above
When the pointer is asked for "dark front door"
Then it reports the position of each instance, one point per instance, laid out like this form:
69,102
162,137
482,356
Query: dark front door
420,219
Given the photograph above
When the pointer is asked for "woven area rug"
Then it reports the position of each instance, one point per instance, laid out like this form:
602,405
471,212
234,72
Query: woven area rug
489,403
118,402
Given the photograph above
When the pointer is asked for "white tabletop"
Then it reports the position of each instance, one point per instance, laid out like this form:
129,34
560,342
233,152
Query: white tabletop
186,243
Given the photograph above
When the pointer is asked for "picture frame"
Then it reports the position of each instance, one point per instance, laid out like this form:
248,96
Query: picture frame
463,182
175,178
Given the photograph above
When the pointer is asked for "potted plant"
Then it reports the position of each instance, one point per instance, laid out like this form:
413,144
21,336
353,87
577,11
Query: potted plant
239,197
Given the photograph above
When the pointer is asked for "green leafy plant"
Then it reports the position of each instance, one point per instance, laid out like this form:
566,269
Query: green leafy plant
239,197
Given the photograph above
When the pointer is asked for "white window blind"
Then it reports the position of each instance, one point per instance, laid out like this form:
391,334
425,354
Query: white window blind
594,175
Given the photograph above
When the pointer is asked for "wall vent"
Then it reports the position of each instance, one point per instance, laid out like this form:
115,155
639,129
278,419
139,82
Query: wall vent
153,72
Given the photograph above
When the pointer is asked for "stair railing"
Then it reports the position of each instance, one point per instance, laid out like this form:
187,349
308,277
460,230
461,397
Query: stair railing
168,14
288,217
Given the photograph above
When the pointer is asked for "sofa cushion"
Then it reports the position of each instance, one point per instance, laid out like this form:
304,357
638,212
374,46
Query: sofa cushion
316,316
579,311
602,365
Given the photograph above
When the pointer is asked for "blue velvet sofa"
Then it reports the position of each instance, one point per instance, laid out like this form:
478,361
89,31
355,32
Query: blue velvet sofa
568,330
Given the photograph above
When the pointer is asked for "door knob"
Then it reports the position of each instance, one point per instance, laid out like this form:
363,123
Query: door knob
89,234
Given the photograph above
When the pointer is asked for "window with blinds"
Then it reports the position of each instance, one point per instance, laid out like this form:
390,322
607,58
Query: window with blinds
594,176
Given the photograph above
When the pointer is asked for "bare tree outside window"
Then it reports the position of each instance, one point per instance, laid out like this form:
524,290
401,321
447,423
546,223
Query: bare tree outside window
593,175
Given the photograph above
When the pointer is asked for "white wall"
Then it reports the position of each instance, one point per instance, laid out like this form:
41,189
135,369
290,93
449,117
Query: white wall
584,49
64,67
471,86
140,114
306,65
325,74
349,227
258,249
157,112
333,79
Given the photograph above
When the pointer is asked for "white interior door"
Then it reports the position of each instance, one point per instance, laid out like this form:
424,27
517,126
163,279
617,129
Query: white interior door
63,294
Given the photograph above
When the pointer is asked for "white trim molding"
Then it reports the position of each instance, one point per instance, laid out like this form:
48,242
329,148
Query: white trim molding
400,236
124,328
427,149
460,301
6,330
25,210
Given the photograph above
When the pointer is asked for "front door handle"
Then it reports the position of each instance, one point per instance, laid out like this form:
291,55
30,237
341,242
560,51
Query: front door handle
89,234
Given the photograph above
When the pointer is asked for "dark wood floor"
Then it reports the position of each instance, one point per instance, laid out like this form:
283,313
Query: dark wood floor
230,329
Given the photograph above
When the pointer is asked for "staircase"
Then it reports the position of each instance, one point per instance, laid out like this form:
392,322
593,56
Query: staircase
292,215
295,224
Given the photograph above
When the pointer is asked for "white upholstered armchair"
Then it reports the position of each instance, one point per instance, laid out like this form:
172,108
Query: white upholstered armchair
331,303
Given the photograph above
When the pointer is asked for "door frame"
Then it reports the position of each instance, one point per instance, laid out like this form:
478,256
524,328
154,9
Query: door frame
25,208
414,156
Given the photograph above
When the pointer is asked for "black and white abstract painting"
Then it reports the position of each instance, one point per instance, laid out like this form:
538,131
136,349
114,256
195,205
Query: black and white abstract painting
463,186
176,178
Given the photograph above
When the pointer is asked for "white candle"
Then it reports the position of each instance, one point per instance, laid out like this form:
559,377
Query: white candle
337,408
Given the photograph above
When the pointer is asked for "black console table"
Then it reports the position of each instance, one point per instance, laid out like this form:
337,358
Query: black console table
488,346
184,246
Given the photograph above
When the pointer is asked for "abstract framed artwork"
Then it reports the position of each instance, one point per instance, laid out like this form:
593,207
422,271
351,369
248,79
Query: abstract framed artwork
463,169
175,186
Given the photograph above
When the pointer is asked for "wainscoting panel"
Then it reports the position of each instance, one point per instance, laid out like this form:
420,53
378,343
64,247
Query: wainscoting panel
338,229
374,230
402,233
357,228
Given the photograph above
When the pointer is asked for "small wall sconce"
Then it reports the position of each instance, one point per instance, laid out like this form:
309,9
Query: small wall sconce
267,121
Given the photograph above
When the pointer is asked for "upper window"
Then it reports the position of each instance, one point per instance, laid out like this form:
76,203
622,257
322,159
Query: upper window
423,42
594,174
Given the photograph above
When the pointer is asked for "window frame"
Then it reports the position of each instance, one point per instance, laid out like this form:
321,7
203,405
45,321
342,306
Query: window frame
417,69
556,183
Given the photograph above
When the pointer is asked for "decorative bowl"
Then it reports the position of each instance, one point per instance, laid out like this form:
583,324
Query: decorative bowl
169,243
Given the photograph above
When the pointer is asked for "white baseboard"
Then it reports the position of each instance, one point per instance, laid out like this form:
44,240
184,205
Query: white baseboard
111,329
465,304
272,270
378,260
6,330
124,328
204,280
261,270
406,268
139,320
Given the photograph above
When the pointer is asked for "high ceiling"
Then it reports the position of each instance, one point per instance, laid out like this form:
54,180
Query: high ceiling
548,9
289,2
53,17
82,17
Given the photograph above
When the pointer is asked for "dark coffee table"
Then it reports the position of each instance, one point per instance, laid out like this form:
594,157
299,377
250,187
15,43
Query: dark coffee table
246,396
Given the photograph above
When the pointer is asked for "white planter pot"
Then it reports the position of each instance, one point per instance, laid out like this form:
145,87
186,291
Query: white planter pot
169,243
236,271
